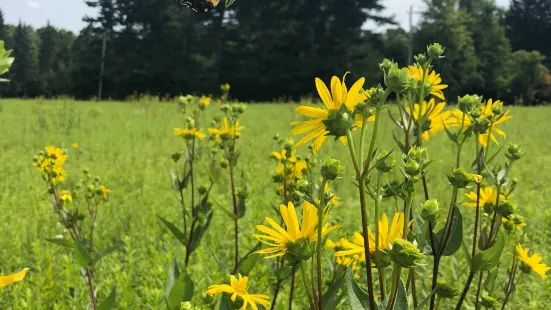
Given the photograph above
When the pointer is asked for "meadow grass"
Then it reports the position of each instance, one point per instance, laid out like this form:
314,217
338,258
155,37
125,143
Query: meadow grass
130,145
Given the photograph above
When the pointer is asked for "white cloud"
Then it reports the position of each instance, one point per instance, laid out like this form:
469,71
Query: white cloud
33,4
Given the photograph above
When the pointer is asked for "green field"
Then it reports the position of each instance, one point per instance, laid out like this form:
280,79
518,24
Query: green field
130,145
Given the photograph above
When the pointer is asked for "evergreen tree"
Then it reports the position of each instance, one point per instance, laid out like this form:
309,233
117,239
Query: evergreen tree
529,26
25,71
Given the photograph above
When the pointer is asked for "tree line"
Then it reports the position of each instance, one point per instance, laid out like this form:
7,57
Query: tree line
272,50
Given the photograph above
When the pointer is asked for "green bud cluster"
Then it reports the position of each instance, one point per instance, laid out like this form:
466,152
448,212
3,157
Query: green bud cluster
435,50
430,210
469,103
506,209
461,179
514,152
405,253
398,80
298,251
331,168
339,122
385,164
415,163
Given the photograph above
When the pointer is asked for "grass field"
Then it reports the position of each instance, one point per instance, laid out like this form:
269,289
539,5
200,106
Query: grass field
129,146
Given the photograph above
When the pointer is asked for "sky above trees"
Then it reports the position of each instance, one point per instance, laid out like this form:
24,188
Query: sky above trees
67,14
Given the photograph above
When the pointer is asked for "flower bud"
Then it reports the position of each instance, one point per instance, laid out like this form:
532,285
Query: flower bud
405,253
242,193
277,177
505,209
376,95
514,152
460,178
430,210
421,59
497,108
331,168
202,190
419,154
480,125
304,187
412,168
386,64
435,50
468,102
398,80
185,305
224,163
488,302
225,108
176,156
445,290
386,164
509,225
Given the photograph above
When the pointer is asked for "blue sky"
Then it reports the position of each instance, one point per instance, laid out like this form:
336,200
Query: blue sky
68,14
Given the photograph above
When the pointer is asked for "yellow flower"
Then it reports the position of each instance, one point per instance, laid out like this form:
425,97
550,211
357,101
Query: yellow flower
433,117
239,288
226,129
66,196
517,225
533,262
333,101
278,239
189,133
431,78
75,145
487,196
104,191
205,100
12,278
386,236
487,112
50,163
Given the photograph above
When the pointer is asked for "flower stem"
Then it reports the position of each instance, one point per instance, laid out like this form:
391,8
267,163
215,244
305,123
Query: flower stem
363,205
465,290
320,232
378,257
292,289
396,269
510,284
306,286
235,211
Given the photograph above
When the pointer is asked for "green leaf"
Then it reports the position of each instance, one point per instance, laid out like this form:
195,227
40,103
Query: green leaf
247,262
172,275
467,252
175,181
221,266
489,258
234,158
180,236
63,242
456,234
224,303
330,298
401,302
109,302
199,232
400,144
401,297
82,256
240,207
179,288
490,282
357,297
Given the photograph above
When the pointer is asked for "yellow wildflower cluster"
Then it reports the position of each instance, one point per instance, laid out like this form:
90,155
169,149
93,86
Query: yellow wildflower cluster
289,169
189,134
238,291
227,131
50,162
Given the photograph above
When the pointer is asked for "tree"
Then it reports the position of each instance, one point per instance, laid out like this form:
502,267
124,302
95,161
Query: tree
526,70
25,70
529,26
3,30
445,23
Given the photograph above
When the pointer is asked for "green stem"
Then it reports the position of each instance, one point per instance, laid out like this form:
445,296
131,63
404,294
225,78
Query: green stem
318,256
396,269
378,257
306,286
510,284
374,134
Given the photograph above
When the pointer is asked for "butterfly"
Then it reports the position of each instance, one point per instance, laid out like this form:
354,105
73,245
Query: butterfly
203,6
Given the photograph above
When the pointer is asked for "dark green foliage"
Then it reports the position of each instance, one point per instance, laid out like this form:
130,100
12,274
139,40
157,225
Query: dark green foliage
273,49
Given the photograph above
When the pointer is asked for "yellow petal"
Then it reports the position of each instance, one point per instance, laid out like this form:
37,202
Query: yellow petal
12,278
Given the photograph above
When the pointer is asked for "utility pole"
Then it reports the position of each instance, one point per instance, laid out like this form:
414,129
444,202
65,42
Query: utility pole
104,43
410,45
